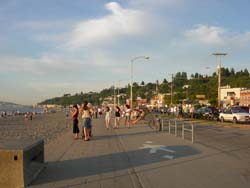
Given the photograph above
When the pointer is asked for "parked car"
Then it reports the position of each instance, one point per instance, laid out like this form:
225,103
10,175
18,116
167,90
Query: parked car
206,113
235,115
246,108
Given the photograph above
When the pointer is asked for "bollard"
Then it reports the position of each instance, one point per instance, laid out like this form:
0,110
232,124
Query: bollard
169,127
162,124
192,133
183,130
158,120
175,128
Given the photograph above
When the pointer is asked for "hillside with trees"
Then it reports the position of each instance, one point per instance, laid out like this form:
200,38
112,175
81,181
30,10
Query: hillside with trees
182,88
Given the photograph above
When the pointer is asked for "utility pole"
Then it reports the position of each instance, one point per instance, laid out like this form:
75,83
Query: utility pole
118,93
114,97
156,88
219,74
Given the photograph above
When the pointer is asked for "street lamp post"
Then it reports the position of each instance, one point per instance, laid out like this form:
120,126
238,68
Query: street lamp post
131,76
118,94
118,91
186,88
114,98
219,74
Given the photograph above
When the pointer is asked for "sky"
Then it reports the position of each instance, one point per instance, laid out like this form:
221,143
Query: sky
52,47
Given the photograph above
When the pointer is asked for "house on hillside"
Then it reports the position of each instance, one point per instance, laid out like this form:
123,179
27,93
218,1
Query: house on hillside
230,96
245,97
67,95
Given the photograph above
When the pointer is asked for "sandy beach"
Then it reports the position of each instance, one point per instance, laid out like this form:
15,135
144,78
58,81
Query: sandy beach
45,126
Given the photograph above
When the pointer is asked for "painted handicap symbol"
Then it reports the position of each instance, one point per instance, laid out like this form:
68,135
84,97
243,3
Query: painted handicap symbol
156,148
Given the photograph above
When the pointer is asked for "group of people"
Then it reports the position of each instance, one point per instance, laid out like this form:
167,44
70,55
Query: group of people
182,110
130,116
118,115
86,112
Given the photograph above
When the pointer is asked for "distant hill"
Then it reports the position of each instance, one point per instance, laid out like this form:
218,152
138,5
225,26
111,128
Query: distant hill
197,84
8,106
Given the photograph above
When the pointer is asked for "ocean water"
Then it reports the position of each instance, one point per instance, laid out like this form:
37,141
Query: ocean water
21,110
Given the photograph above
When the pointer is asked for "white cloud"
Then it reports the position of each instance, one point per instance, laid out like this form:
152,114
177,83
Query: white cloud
17,64
41,65
120,23
48,64
213,35
45,25
48,86
63,87
206,34
240,39
50,38
153,3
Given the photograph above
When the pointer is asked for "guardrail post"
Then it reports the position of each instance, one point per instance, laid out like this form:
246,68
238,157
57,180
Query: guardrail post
162,121
169,126
175,128
183,130
192,132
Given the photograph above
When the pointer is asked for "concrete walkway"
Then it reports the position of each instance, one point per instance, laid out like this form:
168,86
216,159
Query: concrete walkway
138,157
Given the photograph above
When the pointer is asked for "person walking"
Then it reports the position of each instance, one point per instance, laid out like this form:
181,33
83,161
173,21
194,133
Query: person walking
86,112
117,117
107,117
74,115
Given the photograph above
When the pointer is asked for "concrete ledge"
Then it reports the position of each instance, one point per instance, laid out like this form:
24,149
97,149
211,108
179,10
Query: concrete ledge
20,162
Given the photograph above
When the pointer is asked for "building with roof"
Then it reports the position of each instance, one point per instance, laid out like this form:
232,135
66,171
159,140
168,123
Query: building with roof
245,97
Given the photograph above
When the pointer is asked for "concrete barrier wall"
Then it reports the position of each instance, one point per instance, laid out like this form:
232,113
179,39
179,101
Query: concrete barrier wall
20,162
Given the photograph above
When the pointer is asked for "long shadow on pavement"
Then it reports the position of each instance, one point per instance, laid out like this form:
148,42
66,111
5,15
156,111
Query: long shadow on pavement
83,167
100,137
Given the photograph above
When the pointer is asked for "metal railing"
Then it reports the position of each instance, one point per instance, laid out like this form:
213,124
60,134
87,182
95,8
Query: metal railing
188,130
173,124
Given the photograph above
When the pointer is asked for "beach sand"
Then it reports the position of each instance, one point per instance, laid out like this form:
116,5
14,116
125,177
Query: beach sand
43,126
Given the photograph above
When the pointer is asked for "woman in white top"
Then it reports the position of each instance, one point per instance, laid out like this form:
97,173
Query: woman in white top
86,113
127,116
107,117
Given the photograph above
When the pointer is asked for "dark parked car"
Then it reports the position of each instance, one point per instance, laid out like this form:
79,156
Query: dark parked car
206,113
246,108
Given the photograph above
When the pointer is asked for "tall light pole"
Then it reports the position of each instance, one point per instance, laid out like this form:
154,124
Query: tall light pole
131,76
114,98
219,74
118,91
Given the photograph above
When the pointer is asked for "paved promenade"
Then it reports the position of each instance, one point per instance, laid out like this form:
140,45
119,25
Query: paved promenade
143,158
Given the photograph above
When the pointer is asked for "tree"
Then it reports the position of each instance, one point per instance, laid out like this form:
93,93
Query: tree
232,72
246,73
165,81
200,85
